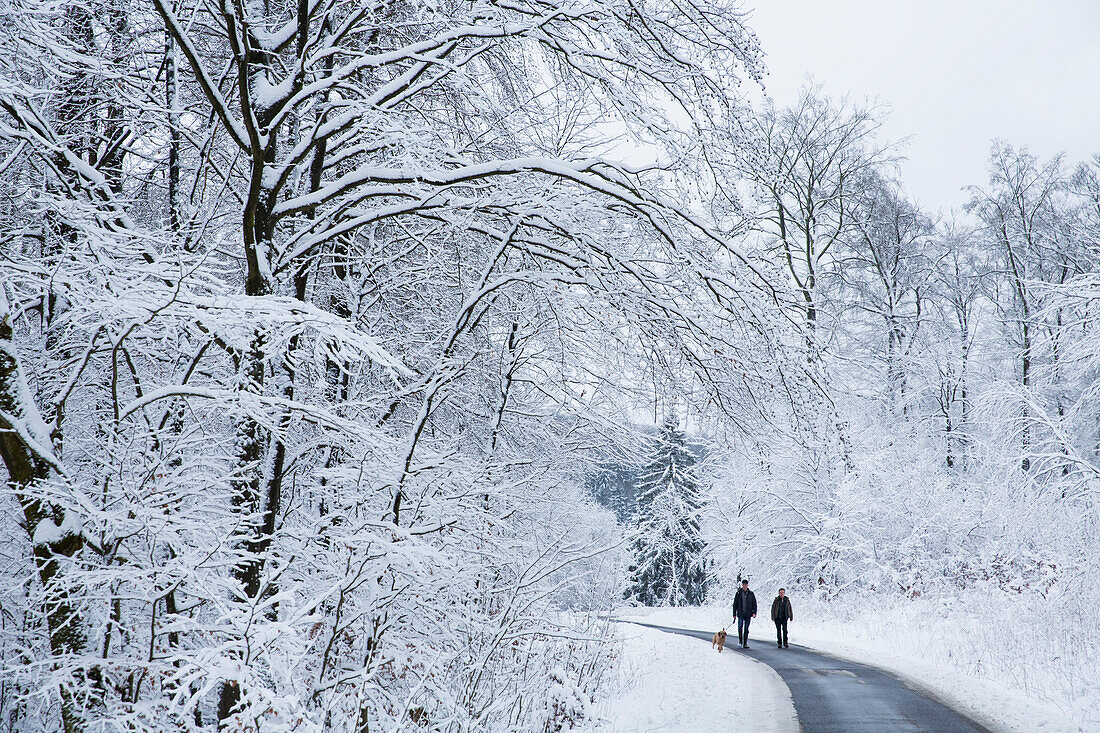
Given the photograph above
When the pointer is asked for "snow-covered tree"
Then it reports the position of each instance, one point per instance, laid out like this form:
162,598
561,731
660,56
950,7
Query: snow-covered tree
811,165
299,307
884,268
1025,217
669,558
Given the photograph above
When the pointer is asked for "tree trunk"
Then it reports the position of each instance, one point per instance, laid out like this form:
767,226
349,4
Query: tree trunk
1025,381
172,101
55,536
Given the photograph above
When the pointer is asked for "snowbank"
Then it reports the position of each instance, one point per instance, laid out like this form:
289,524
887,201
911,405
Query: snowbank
669,683
997,681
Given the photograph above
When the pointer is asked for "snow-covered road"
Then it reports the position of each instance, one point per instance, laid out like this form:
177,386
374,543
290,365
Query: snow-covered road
835,696
899,649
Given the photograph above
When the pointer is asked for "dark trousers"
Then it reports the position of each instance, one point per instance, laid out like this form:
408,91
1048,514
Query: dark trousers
781,632
743,629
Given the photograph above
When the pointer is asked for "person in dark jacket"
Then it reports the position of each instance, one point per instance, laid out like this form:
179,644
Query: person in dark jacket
744,608
781,614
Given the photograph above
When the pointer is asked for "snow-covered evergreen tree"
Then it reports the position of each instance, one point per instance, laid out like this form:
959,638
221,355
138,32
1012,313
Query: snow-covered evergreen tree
669,564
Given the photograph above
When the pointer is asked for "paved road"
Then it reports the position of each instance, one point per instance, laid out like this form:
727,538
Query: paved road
834,696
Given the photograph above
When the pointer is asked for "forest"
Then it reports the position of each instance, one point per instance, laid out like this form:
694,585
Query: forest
337,340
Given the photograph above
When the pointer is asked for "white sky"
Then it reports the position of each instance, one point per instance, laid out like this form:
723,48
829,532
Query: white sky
955,74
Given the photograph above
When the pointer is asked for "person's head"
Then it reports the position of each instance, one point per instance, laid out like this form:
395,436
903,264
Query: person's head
782,592
745,584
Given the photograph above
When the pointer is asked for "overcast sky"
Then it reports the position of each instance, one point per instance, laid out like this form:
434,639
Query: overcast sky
955,74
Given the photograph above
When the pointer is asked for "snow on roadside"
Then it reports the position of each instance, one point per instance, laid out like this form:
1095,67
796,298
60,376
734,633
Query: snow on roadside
998,707
666,683
894,645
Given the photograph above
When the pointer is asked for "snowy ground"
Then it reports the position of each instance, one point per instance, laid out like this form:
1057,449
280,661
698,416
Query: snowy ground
667,683
907,652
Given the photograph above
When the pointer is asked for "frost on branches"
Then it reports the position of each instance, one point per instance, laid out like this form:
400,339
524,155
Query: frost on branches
312,317
943,456
669,562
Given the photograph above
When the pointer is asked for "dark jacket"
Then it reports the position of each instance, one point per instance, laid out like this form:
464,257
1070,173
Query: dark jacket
744,603
781,609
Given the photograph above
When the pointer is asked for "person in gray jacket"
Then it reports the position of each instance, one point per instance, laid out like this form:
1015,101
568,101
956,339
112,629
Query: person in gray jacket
781,614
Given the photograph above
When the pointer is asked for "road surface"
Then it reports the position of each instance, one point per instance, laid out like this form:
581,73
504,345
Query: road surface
834,696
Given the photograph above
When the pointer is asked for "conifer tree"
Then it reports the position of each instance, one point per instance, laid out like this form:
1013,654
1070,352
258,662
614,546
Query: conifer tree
669,561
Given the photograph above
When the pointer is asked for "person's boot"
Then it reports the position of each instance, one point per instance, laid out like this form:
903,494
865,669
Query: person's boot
779,644
786,645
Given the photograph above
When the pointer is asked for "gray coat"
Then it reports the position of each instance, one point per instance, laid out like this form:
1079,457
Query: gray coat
781,609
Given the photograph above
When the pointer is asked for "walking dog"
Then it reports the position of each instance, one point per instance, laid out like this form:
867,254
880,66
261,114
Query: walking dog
719,640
